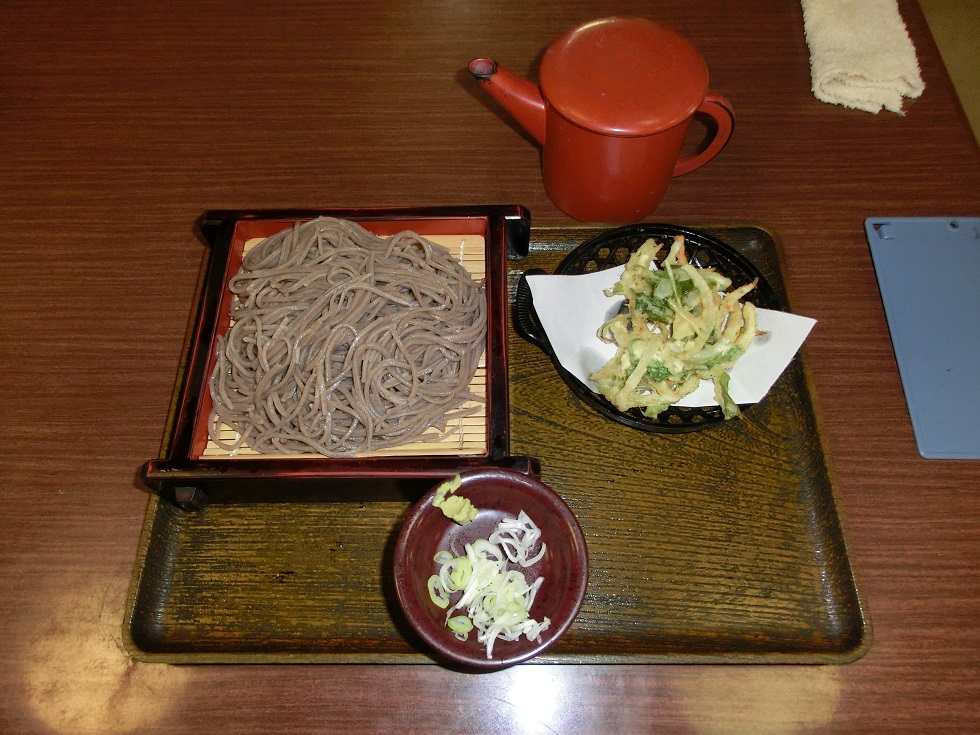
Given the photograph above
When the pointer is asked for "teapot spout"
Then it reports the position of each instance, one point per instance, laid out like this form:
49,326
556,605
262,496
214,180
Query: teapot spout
521,98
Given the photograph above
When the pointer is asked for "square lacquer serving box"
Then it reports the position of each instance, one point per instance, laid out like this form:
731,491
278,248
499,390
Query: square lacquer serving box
193,469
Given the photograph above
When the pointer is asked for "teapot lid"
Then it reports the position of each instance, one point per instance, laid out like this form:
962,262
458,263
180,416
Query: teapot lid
624,76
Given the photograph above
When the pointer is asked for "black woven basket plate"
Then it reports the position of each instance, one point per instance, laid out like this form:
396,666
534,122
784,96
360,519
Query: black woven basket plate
613,248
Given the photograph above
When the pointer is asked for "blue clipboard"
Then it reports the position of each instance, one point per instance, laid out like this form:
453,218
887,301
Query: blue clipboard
928,271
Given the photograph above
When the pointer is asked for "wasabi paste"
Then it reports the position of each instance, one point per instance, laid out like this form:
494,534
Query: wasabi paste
454,507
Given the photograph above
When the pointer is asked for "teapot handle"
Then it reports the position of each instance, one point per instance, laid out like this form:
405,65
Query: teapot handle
720,110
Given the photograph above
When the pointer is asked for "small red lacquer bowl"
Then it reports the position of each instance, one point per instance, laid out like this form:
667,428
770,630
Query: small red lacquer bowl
497,493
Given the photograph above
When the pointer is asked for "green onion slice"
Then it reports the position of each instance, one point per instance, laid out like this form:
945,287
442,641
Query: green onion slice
490,597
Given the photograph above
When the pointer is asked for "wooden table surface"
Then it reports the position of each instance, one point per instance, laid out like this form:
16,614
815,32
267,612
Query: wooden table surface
121,122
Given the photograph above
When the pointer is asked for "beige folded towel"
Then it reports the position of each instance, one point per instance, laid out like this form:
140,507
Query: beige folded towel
861,55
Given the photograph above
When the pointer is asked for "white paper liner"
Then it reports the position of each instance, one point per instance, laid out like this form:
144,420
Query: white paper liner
571,310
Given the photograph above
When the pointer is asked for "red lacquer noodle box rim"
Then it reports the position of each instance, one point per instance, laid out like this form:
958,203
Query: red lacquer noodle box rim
180,470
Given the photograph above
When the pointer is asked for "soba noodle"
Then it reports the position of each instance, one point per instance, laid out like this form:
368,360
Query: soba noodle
344,342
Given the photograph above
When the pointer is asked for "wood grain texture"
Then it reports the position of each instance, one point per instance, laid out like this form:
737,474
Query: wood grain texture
719,546
121,122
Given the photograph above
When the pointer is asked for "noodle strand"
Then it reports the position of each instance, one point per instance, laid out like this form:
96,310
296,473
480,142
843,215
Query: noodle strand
343,342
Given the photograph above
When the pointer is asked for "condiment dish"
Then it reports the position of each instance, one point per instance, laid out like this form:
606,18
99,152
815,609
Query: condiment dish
497,494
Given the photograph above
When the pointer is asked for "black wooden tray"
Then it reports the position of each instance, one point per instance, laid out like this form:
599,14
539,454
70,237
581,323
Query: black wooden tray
716,546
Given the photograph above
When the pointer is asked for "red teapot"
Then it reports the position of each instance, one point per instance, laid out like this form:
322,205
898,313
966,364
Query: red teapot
615,101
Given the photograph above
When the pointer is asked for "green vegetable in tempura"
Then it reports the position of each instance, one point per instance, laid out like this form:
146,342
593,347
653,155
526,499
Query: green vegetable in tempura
681,326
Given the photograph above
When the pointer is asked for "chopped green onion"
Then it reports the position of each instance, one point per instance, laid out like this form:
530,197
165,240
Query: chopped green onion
437,592
459,624
496,600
